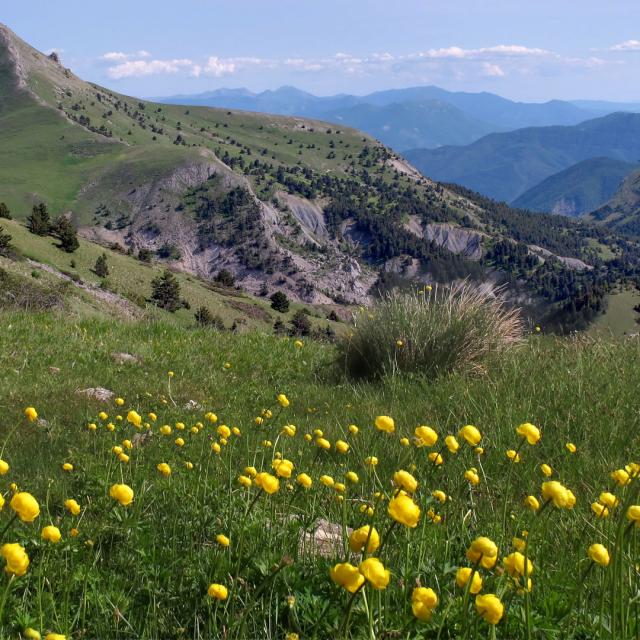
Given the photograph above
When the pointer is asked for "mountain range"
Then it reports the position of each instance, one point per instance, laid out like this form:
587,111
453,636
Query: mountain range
410,118
322,212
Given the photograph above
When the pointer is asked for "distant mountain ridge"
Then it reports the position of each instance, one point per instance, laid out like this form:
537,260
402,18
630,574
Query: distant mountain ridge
405,118
506,165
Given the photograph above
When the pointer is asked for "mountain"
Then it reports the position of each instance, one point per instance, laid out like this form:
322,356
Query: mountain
406,124
581,188
402,118
505,165
603,106
622,212
326,214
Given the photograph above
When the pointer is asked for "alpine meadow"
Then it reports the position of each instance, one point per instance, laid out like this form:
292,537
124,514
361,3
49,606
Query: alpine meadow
267,376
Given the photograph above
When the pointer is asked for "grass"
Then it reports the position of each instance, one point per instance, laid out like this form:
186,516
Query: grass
620,317
143,571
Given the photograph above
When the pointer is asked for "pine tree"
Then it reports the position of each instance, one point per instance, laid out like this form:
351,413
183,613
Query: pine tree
39,222
279,302
65,231
5,243
4,211
165,292
101,267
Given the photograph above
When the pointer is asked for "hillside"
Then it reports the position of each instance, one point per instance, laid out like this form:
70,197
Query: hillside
327,215
581,188
403,118
505,165
622,212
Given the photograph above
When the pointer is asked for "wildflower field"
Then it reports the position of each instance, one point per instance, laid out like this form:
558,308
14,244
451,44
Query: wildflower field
241,487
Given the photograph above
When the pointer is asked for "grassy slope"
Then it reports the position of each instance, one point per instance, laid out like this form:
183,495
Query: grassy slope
620,317
132,279
153,562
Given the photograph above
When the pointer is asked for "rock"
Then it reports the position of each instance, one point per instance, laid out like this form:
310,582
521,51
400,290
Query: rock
192,405
325,540
98,393
54,370
141,439
125,358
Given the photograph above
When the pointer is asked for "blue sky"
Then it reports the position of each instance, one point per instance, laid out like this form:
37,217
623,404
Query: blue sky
522,49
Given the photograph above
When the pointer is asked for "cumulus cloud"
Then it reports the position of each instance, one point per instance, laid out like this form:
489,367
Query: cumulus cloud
139,68
628,45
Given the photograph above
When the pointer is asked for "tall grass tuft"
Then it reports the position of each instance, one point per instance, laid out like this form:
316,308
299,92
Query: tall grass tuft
433,332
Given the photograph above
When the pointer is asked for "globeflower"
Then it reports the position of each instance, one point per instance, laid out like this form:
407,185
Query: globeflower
436,458
51,534
513,455
385,423
451,444
283,401
134,418
360,537
557,493
423,601
283,468
404,510
531,502
375,573
223,431
245,481
484,551
72,506
323,443
372,461
327,481
17,560
608,499
31,414
439,495
304,480
164,469
122,493
470,434
425,436
600,510
529,432
345,575
633,514
462,577
514,564
222,540
571,448
404,480
599,554
4,468
342,447
620,477
546,470
489,607
352,477
26,506
268,483
217,592
471,476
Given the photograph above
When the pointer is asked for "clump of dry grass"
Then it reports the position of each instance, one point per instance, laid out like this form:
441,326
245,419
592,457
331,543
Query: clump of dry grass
458,328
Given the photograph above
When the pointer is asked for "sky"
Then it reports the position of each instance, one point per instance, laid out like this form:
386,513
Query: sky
533,50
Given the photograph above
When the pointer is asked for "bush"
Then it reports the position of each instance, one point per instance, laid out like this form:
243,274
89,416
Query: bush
279,302
5,243
444,330
39,222
4,211
101,268
205,318
17,292
225,278
165,292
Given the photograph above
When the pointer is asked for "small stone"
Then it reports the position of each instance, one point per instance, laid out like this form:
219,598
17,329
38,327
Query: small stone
54,370
98,393
120,357
192,405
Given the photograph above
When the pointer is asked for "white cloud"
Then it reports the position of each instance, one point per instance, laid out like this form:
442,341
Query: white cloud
139,68
114,56
493,70
217,67
628,45
501,50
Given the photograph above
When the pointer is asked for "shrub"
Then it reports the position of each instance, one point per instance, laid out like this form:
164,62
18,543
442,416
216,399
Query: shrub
448,329
4,211
165,292
280,302
39,222
205,318
225,278
17,292
101,268
5,243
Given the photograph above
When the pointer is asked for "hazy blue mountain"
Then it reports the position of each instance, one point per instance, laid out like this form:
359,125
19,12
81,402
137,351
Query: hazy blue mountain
581,188
505,165
603,106
622,212
404,125
384,113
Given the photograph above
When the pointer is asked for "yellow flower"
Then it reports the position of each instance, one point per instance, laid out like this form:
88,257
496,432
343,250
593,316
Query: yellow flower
353,429
31,414
462,577
170,374
92,426
127,444
404,480
347,576
608,499
557,493
72,506
17,560
371,461
399,343
165,430
289,430
483,550
515,565
425,436
531,502
251,471
405,442
215,447
633,514
103,415
352,477
164,469
513,455
327,481
342,447
489,607
223,431
471,476
599,554
51,534
119,402
268,483
26,506
620,477
600,510
470,434
546,470
179,442
529,432
451,444
211,417
55,636
304,480
283,401
436,458
571,448
4,468
385,423
122,493
217,592
323,443
359,537
31,634
283,468
373,570
404,510
298,344
222,540
439,495
423,602
134,418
